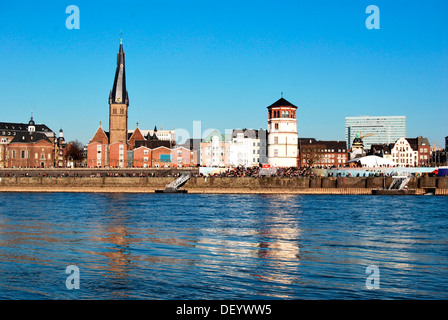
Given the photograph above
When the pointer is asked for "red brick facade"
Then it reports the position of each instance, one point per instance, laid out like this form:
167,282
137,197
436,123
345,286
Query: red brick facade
118,155
136,136
39,154
97,150
183,157
161,157
96,155
142,157
314,153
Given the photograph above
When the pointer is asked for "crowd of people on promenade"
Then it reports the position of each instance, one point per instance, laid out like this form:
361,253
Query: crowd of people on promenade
92,174
258,172
237,172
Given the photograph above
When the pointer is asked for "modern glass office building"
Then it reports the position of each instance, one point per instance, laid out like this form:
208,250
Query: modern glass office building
375,129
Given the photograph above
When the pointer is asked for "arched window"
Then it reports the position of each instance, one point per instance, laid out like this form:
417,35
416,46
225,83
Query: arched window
114,111
283,113
287,114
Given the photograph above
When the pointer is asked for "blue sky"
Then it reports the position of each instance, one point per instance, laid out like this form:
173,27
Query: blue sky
224,62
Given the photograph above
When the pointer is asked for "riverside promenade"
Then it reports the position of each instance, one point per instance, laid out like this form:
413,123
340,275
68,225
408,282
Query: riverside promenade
148,180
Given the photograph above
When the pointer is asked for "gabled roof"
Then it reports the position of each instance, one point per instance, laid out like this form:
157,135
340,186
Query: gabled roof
27,137
152,144
192,144
100,136
423,141
136,135
213,134
282,103
326,144
153,136
249,133
413,142
164,147
10,126
180,147
140,147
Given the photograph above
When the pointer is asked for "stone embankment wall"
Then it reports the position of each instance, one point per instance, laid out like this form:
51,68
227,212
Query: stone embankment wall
330,185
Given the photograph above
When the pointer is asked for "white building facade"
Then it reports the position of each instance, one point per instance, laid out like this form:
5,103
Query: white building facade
403,154
214,150
282,134
248,148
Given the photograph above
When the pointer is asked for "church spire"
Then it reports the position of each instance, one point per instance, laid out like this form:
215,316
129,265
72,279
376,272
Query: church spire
118,94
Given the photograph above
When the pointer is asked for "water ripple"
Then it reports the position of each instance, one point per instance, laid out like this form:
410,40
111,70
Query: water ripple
150,246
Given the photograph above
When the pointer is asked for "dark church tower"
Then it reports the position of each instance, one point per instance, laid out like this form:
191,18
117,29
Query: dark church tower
119,103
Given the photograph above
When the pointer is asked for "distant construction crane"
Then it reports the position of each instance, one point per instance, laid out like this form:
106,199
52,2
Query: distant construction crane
366,135
358,145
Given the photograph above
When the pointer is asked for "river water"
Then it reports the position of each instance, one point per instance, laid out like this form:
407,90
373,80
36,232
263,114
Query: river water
189,246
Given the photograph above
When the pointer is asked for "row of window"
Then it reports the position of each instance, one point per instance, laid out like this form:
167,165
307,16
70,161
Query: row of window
114,111
323,150
164,159
403,155
254,144
282,114
26,155
327,161
407,160
333,156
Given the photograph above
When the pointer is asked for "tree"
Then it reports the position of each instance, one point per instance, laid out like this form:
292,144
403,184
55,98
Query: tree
312,155
74,152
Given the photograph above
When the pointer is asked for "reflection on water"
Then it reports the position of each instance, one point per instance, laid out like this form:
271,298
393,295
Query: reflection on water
156,246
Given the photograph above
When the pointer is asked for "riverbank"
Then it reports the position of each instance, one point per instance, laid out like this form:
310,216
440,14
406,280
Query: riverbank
272,185
190,190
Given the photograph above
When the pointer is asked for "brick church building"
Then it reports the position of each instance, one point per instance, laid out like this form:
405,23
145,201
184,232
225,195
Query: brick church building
120,147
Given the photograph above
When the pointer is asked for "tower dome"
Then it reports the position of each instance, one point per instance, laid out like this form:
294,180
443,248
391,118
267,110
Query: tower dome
31,125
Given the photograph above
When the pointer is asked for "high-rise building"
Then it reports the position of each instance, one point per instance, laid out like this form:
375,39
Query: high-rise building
374,129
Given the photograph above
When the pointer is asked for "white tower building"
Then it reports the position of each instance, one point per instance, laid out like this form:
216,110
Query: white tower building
282,134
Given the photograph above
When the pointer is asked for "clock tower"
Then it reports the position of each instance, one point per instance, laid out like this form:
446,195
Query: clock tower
119,103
